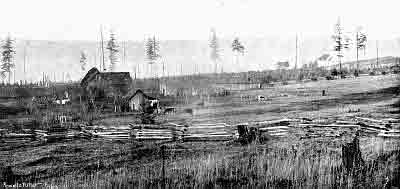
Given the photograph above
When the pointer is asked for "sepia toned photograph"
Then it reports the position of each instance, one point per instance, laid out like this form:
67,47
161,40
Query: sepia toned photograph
199,94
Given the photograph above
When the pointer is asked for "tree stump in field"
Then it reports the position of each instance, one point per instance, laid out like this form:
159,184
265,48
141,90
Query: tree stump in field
351,155
247,135
243,132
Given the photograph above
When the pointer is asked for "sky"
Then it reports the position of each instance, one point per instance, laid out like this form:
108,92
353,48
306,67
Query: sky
192,19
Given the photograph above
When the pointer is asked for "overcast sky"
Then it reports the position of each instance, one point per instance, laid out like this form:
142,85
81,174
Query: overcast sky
192,19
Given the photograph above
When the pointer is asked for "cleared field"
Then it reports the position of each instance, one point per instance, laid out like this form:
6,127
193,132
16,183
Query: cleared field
278,162
368,93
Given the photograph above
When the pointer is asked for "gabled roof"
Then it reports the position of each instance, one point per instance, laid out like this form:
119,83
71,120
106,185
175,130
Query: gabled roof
113,77
130,96
90,75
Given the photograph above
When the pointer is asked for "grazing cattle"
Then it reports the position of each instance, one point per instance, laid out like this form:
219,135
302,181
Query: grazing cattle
260,98
169,110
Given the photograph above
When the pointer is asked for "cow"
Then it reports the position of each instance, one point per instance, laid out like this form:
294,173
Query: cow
260,98
169,110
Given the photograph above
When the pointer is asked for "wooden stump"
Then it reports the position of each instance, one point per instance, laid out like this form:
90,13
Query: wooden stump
351,155
247,135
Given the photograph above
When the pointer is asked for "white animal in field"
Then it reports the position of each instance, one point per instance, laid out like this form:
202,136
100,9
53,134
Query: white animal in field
260,98
57,101
62,101
65,101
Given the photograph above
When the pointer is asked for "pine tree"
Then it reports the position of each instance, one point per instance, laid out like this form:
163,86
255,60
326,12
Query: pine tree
214,46
7,53
112,47
361,43
341,42
152,48
83,60
237,49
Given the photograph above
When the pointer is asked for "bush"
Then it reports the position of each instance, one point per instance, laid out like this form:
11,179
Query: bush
314,79
356,73
334,72
372,73
329,77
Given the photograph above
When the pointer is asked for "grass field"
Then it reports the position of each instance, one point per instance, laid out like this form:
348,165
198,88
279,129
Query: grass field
280,162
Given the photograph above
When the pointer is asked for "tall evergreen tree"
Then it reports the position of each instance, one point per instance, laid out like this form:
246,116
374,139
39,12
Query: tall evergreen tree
8,52
237,48
83,60
112,47
152,48
341,42
215,51
361,43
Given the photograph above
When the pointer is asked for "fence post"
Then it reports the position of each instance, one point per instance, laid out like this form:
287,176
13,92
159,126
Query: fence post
163,165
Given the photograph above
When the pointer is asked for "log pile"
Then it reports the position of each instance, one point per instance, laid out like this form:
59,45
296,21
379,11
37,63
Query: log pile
337,128
110,133
168,131
245,132
276,128
209,132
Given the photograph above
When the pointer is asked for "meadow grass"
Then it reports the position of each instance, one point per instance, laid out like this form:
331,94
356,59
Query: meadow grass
288,164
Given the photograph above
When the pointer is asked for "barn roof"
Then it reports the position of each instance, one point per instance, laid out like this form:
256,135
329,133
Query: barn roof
115,77
89,76
130,95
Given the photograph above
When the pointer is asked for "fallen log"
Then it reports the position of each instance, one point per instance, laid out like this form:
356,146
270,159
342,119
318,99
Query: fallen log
388,135
206,135
273,128
153,138
219,138
346,122
330,125
281,122
156,127
277,131
371,120
17,135
363,125
278,134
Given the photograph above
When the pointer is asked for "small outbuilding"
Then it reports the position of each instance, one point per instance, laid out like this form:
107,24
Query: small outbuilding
139,99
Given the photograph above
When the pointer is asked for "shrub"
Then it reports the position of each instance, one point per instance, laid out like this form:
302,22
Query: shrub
314,79
329,77
334,72
356,73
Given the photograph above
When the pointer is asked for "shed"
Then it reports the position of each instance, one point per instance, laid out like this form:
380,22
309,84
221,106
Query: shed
138,100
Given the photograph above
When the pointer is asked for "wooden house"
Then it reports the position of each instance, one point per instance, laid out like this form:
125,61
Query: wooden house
138,100
106,84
